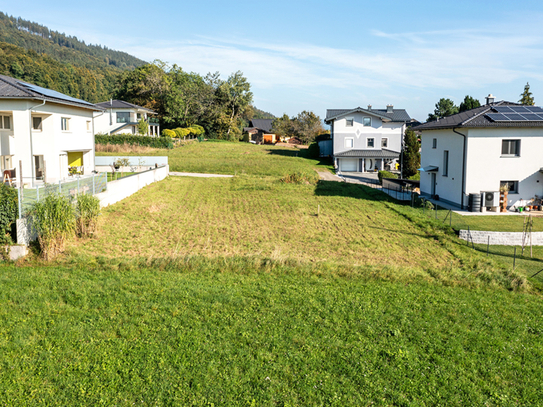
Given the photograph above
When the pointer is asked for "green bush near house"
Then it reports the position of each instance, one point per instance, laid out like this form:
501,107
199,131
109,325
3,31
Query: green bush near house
156,142
168,133
385,174
415,177
314,150
8,212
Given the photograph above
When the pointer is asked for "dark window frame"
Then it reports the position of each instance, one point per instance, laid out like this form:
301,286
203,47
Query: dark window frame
513,186
372,142
445,163
511,148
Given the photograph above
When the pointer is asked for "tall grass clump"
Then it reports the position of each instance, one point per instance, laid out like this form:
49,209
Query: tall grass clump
53,219
87,210
300,177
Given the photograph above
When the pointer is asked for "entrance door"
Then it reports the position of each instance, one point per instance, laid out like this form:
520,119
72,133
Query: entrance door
433,182
369,164
39,167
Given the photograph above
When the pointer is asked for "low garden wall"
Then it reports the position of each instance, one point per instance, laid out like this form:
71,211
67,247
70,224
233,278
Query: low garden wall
501,238
124,187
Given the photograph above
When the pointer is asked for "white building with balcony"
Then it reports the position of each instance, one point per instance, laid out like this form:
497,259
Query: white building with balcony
123,117
43,133
366,139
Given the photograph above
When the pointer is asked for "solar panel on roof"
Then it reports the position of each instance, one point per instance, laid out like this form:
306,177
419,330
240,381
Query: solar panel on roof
534,109
498,117
502,109
54,94
515,117
532,117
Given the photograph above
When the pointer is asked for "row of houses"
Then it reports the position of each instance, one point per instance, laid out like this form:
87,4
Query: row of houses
46,136
469,153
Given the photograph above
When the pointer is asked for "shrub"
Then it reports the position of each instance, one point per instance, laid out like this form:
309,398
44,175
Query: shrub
53,219
157,142
168,133
313,151
415,177
8,212
87,210
385,174
299,177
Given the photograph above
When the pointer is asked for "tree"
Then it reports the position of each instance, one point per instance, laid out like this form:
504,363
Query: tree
410,154
143,127
238,96
307,126
445,107
468,104
283,126
526,97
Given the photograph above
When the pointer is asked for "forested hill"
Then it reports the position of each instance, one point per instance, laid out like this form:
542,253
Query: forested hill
63,48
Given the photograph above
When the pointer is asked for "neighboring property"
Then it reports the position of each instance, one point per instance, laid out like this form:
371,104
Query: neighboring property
366,139
44,132
123,117
478,150
260,131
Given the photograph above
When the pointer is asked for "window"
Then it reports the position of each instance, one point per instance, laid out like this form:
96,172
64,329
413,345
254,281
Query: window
64,124
349,122
366,121
513,186
349,143
5,122
434,143
88,125
123,117
5,162
36,123
371,142
446,163
384,143
511,147
139,116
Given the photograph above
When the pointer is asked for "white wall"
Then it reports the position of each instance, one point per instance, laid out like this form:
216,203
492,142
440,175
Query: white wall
102,124
51,141
378,130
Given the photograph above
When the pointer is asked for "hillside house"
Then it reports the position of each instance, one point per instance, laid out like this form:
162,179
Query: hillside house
480,149
366,139
44,133
123,117
260,131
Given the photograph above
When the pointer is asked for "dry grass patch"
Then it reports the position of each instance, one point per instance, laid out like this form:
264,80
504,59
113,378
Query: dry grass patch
125,149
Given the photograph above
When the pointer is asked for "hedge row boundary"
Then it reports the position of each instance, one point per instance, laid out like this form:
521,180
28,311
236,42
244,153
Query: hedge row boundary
156,142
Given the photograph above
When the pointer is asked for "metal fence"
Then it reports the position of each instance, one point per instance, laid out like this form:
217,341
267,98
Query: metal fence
71,188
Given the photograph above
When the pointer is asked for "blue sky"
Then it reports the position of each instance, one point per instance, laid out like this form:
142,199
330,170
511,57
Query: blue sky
314,55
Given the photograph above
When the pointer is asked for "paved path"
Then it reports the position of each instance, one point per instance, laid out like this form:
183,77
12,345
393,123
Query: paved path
196,174
328,176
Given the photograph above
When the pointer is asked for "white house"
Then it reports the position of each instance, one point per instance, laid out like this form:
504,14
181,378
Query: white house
123,117
43,133
480,149
366,139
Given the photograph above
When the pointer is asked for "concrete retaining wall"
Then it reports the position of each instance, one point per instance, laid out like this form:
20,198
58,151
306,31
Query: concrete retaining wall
123,188
501,238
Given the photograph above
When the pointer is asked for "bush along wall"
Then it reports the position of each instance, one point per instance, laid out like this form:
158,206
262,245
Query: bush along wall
156,142
385,174
8,212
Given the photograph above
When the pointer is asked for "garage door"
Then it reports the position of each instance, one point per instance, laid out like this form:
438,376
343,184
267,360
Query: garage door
348,164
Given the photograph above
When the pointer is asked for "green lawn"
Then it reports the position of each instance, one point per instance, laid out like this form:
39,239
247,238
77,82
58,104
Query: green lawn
252,292
205,333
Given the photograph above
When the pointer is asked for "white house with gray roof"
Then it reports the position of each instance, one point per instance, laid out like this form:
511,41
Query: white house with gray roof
478,150
43,133
366,139
123,117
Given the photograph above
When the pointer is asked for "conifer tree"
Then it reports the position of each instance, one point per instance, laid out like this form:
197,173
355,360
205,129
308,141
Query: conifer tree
526,97
410,154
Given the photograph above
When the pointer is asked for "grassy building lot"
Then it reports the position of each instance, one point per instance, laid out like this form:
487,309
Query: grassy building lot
234,292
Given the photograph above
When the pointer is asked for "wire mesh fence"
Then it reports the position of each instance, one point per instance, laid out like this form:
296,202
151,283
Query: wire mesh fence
71,188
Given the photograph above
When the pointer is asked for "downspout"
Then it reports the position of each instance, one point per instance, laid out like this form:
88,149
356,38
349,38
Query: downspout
31,148
463,168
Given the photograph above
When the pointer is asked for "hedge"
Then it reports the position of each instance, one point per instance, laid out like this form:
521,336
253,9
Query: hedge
385,174
156,142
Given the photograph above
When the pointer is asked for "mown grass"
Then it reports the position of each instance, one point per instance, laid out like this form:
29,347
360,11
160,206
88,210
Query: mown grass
238,158
199,332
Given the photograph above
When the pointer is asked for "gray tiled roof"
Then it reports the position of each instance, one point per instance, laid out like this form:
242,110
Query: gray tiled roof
474,118
382,153
262,124
11,88
397,115
121,104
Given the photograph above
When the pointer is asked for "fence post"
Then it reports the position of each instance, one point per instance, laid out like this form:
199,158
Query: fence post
487,245
78,186
93,187
514,258
59,187
20,203
106,180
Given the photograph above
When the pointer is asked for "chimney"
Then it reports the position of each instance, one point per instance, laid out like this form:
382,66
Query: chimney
369,107
390,108
490,99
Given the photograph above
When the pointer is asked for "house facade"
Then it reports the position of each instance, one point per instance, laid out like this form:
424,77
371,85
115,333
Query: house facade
366,139
479,150
260,131
43,133
123,117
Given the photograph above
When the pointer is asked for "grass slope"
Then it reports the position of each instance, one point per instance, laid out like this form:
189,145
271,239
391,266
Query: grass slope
198,334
